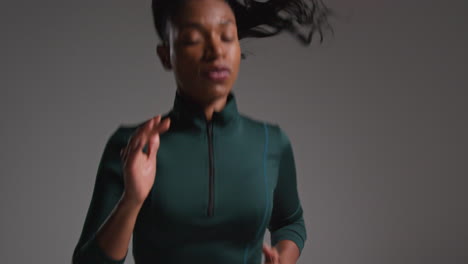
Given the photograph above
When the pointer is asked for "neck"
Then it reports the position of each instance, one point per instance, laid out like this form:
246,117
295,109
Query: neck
215,105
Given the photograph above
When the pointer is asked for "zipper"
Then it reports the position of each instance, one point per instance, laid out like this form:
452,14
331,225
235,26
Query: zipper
209,126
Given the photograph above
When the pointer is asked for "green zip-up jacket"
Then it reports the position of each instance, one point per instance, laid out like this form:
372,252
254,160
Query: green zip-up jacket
219,185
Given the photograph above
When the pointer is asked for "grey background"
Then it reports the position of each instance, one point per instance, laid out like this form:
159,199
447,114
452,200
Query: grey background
377,116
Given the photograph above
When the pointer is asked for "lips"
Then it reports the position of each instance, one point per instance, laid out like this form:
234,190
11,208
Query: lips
217,73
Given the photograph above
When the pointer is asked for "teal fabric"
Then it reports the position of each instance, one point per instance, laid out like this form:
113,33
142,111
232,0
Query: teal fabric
253,188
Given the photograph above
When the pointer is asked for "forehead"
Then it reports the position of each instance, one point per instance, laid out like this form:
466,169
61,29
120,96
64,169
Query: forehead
205,13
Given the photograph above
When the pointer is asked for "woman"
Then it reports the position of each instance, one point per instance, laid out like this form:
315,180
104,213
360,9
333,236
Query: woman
203,182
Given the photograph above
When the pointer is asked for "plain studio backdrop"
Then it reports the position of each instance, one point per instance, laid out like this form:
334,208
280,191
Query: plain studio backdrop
377,115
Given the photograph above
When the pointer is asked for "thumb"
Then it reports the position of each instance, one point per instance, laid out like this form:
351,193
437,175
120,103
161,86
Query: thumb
271,255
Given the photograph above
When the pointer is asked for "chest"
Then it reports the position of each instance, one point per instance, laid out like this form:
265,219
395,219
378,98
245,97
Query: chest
216,184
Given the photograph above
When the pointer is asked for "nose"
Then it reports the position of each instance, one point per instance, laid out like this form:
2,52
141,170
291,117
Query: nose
214,49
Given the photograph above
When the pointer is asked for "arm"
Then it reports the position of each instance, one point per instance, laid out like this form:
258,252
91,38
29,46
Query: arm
124,180
110,219
114,235
288,252
287,228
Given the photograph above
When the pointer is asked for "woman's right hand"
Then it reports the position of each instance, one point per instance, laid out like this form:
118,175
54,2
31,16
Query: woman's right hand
139,168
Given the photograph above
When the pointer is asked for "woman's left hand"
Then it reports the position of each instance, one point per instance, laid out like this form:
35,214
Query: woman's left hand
271,254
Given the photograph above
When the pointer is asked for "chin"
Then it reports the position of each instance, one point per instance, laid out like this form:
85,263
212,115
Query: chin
208,91
216,90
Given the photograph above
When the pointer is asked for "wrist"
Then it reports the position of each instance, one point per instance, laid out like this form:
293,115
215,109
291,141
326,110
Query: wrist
130,203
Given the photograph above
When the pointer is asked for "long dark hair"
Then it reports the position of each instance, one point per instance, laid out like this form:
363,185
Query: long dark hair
302,18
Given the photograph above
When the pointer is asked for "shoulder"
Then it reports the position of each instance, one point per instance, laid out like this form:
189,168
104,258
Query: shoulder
257,123
122,133
276,134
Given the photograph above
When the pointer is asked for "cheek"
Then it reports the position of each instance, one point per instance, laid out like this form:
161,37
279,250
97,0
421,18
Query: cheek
237,51
235,56
186,62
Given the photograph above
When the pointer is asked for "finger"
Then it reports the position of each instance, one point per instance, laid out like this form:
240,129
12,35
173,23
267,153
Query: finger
268,252
157,124
154,141
140,138
135,138
124,156
141,128
153,146
150,134
275,256
164,125
142,135
157,120
147,133
271,254
122,153
125,153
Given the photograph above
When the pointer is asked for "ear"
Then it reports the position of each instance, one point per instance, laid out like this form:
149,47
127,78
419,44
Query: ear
164,55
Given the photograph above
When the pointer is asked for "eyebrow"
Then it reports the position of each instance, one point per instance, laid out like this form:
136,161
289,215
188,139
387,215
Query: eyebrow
199,26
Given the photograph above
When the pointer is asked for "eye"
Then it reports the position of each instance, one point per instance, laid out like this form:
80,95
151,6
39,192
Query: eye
191,42
228,37
192,38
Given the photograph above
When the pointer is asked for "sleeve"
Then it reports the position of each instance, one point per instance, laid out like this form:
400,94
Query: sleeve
287,222
108,189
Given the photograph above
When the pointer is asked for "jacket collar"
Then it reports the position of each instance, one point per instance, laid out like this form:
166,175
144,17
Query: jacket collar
187,112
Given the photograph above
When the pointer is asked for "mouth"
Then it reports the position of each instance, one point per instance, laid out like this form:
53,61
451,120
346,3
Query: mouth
217,73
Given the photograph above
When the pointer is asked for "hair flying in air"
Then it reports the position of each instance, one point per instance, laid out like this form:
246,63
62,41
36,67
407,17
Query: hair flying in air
259,19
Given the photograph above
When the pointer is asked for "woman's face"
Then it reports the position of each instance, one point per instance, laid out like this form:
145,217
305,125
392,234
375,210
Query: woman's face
204,50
